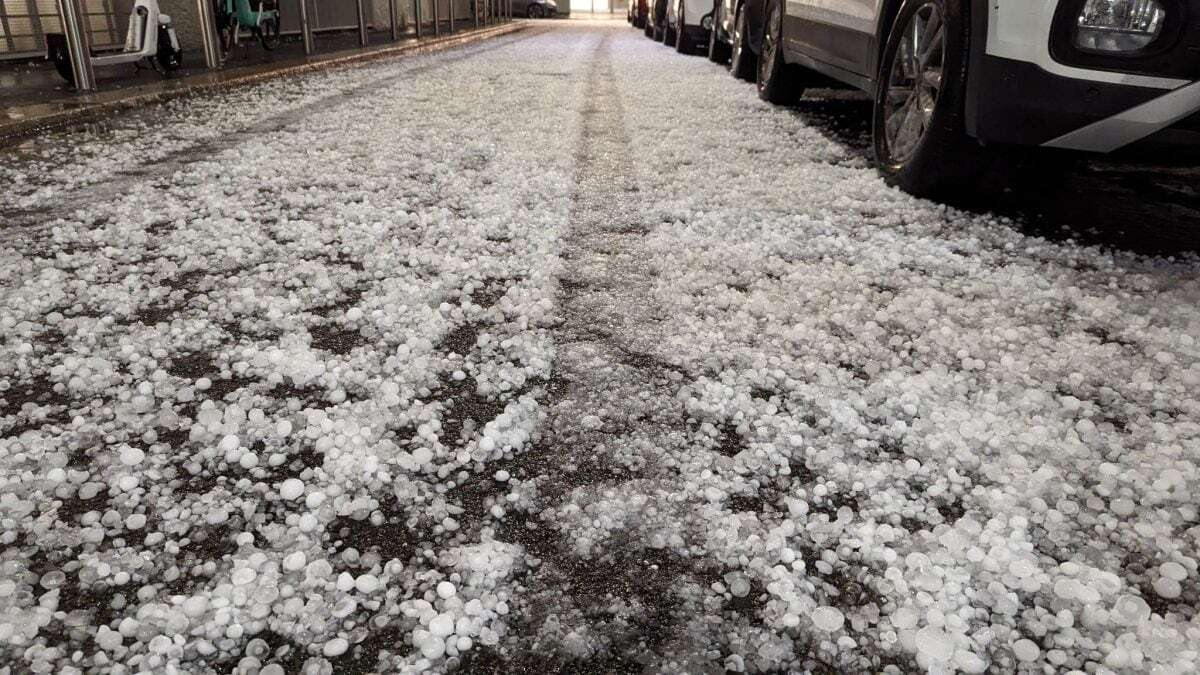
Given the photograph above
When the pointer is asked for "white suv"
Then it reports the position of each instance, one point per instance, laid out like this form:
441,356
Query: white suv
953,78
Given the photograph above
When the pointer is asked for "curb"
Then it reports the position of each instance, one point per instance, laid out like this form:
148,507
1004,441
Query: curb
23,129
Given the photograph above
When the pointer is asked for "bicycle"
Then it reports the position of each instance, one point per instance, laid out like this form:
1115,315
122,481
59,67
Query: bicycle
261,17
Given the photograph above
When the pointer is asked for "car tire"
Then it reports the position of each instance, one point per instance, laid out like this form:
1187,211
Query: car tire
668,35
718,49
683,44
648,29
742,62
922,147
57,51
776,80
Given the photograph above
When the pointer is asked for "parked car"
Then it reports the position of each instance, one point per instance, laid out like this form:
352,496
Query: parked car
656,19
535,9
721,38
952,80
637,11
688,22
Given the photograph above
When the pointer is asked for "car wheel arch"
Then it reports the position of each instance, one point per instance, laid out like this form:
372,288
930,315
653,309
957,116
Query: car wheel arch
756,18
887,16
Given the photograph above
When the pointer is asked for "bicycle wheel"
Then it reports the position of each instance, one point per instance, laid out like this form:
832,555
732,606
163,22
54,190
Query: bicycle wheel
167,59
229,28
268,28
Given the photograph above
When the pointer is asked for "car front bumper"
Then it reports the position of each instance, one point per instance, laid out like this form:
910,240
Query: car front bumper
1021,91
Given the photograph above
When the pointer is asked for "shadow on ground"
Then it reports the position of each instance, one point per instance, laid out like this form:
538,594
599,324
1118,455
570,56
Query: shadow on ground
1149,207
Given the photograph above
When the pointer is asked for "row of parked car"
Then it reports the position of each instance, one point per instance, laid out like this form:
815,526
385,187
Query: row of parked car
956,81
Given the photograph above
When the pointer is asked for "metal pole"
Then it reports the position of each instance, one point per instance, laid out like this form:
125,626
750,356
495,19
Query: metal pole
475,12
394,19
208,34
417,16
306,28
451,12
77,44
362,23
437,21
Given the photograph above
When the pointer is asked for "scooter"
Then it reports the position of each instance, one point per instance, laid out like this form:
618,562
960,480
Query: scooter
151,36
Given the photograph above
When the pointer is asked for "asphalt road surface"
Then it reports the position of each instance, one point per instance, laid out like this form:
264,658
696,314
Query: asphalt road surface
563,352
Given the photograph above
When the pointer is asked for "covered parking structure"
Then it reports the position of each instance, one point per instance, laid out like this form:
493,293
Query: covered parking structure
95,26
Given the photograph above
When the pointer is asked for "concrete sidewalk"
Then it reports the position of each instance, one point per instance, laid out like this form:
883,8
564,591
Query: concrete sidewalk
35,100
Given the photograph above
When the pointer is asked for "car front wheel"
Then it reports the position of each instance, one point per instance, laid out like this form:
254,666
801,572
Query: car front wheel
741,59
776,80
918,124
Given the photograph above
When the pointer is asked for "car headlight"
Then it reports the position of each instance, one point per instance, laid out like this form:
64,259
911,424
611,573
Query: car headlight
1116,26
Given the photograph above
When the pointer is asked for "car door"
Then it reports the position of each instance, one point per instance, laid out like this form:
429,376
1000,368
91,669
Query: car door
840,33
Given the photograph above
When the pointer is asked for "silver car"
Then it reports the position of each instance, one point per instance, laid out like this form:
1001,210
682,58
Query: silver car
535,9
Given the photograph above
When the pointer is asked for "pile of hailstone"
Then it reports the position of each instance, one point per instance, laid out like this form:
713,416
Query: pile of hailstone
233,402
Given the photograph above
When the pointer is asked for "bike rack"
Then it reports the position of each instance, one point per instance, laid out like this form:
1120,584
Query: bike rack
77,44
306,28
363,38
208,34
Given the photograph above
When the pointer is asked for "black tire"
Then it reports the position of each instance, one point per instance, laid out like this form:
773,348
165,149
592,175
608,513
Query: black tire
60,54
168,58
683,44
742,62
718,49
668,34
268,33
943,159
648,29
776,80
225,39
